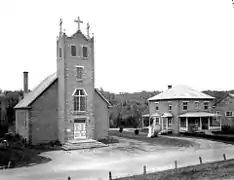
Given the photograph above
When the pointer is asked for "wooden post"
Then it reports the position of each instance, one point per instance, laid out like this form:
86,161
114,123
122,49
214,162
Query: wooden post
110,177
69,178
144,170
224,157
175,164
200,159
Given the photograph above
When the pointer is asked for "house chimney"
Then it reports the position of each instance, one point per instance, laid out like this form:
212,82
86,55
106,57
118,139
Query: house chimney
169,86
25,82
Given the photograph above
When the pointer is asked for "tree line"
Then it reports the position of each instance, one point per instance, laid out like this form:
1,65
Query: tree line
127,109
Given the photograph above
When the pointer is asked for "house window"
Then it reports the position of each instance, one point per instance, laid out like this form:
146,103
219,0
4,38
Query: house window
60,52
79,72
169,107
73,50
228,114
156,108
206,105
185,106
80,100
169,123
196,104
84,51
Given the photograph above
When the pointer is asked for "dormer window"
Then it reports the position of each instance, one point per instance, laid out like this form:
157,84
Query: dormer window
73,50
84,51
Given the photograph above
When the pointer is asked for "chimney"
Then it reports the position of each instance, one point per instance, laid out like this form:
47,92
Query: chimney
25,82
169,86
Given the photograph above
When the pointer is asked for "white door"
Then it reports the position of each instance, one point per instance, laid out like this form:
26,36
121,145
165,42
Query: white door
79,129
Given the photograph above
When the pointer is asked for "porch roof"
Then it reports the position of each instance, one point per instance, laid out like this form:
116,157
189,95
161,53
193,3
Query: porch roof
155,115
199,114
145,115
167,114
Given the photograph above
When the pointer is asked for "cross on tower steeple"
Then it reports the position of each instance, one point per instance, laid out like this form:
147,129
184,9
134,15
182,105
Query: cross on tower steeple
78,21
88,26
60,24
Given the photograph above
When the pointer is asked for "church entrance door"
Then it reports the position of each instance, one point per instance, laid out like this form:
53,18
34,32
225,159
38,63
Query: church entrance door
79,129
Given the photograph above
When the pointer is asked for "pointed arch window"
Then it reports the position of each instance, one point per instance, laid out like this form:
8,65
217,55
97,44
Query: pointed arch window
80,100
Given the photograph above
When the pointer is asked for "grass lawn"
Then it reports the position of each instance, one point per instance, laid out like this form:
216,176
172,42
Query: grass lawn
163,141
21,155
217,170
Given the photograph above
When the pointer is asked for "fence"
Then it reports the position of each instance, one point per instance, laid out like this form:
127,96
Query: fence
175,162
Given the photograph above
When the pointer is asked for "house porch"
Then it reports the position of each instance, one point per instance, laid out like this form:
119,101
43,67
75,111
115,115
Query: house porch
199,121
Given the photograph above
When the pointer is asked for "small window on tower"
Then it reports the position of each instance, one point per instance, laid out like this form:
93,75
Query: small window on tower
84,51
79,72
60,52
73,50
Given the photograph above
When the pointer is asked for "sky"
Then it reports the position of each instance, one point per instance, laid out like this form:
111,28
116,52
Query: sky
139,45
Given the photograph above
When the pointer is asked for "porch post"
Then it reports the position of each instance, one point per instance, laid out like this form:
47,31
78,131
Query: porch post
208,123
200,124
187,123
220,122
166,123
162,122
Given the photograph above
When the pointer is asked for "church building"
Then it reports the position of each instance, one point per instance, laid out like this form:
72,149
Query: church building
65,106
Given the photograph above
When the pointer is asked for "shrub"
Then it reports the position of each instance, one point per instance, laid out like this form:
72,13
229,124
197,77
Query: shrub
136,131
121,129
226,129
3,130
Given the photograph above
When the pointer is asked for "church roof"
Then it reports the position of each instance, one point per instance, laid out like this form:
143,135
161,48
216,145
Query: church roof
100,94
180,92
36,92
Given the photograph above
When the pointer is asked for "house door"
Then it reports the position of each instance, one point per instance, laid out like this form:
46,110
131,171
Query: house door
205,123
79,129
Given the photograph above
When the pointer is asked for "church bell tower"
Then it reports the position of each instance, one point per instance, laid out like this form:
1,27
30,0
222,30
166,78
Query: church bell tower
75,72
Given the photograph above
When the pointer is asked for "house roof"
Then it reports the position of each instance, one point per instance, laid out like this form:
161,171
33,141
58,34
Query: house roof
218,100
46,83
199,114
180,92
37,91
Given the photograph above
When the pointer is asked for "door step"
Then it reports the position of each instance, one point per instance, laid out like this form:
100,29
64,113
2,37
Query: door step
82,144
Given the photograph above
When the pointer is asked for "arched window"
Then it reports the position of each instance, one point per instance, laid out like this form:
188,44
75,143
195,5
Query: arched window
79,100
